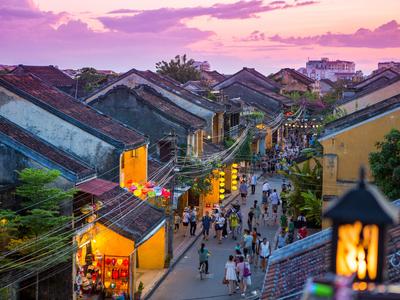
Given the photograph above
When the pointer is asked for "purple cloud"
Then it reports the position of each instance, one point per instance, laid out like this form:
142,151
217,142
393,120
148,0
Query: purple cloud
385,36
255,36
123,11
164,18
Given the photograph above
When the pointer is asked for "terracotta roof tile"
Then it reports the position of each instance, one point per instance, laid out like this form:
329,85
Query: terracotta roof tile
88,118
50,74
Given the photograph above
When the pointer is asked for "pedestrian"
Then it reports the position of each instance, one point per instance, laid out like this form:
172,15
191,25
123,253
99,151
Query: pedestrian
234,224
206,223
193,221
219,225
281,240
243,268
247,242
203,256
253,244
302,233
185,221
265,216
301,220
275,202
253,183
257,212
264,200
177,221
257,251
230,274
243,191
265,252
266,188
250,217
225,228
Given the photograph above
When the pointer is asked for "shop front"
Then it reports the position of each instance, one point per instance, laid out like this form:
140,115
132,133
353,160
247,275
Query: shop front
122,234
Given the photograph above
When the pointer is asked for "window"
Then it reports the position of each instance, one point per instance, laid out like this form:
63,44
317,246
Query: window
134,153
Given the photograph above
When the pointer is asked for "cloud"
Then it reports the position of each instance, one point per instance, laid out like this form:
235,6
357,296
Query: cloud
385,36
123,11
157,20
255,36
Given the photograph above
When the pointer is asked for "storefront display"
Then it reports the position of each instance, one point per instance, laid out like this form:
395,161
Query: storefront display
116,275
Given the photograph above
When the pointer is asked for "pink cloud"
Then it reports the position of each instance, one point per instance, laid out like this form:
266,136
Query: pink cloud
255,36
163,18
385,36
123,11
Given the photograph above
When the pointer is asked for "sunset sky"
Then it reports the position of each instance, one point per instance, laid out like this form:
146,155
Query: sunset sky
230,34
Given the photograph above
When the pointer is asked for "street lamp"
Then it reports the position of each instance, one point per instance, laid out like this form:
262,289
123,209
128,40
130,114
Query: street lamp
360,219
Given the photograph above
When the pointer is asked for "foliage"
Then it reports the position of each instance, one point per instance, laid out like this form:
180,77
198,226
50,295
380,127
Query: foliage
304,179
29,232
244,153
90,79
202,185
337,114
312,207
385,164
228,142
211,96
179,68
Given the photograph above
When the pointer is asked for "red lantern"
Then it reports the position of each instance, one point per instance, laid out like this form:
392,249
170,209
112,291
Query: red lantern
108,261
145,190
113,261
125,262
124,273
129,181
115,274
165,193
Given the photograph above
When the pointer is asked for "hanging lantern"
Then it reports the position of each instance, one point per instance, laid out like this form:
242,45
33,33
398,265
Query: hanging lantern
145,190
222,173
158,191
113,285
234,165
108,261
221,191
119,261
113,261
222,197
234,188
360,219
108,274
137,193
151,193
234,176
115,274
125,262
124,273
107,284
234,183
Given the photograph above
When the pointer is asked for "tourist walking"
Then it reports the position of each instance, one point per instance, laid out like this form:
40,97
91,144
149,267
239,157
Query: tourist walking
275,202
206,223
243,191
281,240
250,217
230,274
193,221
265,252
266,188
253,183
247,242
185,221
243,269
219,225
234,224
257,212
177,221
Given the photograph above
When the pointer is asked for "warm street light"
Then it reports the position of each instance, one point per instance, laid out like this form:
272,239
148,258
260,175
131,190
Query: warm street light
360,219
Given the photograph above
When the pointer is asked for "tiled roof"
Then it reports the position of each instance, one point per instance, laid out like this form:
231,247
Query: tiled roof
70,109
169,108
290,266
49,74
96,186
213,76
388,73
152,167
169,85
361,115
328,82
129,216
297,75
34,145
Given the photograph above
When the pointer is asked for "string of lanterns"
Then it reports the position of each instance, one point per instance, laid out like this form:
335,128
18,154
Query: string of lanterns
234,182
221,185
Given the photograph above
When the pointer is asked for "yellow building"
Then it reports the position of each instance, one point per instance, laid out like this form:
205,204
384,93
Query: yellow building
348,141
122,242
133,166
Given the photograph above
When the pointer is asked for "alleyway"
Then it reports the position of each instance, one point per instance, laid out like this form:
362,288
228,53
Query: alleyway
183,283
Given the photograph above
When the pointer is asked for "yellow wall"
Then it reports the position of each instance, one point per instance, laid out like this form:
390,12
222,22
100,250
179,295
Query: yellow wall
213,196
151,254
268,139
111,243
218,128
372,98
346,152
135,166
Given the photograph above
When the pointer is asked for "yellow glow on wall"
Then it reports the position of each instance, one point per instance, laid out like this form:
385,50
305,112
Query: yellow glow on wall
152,253
357,250
120,246
133,166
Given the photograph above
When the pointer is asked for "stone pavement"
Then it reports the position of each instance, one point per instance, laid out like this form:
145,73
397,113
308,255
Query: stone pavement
183,282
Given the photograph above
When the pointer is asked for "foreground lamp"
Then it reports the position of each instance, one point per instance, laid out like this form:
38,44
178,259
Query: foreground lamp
360,219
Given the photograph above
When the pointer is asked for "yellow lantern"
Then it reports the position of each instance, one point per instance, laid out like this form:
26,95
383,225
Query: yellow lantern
107,284
222,173
222,184
108,274
119,261
234,165
234,177
222,191
234,188
137,192
234,171
222,179
222,197
234,182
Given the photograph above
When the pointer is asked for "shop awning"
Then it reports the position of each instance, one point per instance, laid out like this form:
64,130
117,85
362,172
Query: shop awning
179,191
96,186
129,216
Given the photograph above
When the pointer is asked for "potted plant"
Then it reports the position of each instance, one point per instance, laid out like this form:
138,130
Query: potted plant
138,293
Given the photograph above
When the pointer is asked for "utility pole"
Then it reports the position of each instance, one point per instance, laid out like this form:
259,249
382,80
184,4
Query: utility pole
170,215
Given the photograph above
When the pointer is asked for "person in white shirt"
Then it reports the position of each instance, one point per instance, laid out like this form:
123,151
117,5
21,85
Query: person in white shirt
275,202
266,188
265,252
253,183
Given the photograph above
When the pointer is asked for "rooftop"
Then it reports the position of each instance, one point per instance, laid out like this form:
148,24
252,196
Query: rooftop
139,218
42,94
49,74
297,75
214,76
37,149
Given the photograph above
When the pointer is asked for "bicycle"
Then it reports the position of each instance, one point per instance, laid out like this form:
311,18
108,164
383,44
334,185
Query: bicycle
202,270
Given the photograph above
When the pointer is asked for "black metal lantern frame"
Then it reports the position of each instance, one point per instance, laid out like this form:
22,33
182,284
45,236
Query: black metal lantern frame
360,219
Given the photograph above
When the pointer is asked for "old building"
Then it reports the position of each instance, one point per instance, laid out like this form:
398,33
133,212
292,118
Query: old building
212,77
116,152
374,89
146,110
293,81
212,112
326,86
348,141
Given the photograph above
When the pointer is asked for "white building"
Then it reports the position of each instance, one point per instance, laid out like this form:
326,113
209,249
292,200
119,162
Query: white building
332,70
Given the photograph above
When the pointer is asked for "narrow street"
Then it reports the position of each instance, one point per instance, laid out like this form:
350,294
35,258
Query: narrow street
183,283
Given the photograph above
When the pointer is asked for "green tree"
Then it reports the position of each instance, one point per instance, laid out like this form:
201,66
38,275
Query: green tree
90,79
385,164
179,68
31,232
312,207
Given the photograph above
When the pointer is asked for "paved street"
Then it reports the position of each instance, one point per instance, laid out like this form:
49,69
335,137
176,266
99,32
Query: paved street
183,283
